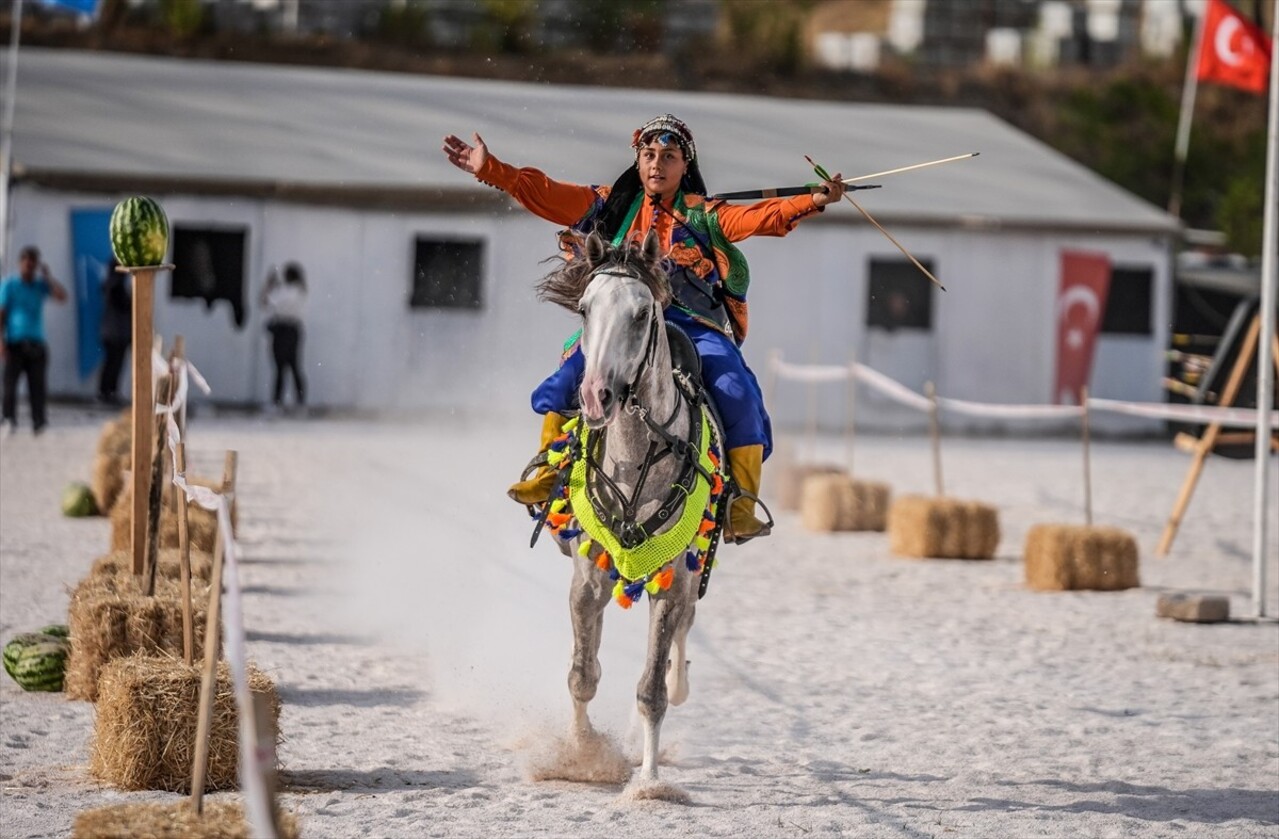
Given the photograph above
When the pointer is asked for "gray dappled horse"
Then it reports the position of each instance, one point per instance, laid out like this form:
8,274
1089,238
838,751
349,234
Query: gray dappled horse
629,388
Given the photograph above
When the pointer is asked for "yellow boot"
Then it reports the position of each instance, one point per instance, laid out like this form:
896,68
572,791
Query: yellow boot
536,488
747,462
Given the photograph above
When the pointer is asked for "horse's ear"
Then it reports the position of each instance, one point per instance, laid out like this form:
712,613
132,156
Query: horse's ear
595,248
651,249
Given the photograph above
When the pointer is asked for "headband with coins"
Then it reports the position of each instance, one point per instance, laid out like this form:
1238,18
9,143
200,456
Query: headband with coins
666,129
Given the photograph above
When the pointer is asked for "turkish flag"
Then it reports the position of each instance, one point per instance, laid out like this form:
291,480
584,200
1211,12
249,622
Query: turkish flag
1234,51
1081,301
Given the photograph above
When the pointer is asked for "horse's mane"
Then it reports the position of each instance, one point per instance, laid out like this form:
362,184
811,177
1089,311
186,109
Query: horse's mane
565,285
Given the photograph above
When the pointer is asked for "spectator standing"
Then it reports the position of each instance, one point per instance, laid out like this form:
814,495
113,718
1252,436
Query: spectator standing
116,331
22,336
284,301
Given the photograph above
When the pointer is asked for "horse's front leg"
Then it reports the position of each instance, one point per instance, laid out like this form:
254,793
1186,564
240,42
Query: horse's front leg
670,615
588,598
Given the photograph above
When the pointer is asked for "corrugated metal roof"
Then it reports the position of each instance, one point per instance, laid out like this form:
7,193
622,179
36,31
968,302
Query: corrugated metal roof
101,118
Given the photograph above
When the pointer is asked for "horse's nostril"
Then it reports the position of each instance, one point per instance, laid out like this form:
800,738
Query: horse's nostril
606,398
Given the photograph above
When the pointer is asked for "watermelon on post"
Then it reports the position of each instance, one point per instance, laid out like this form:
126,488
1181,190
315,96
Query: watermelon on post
139,232
77,501
37,662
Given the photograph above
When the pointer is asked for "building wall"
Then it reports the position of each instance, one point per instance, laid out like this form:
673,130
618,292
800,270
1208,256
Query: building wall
993,336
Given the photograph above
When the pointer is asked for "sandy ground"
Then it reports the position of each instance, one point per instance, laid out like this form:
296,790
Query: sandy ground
421,652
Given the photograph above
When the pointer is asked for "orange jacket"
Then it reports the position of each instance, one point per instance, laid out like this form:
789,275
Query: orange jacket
565,203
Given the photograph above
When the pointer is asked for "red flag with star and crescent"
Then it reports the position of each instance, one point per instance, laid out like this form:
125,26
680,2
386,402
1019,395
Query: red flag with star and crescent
1234,51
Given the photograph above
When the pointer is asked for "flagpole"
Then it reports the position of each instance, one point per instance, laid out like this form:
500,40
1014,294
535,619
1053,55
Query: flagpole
1265,364
1188,91
6,130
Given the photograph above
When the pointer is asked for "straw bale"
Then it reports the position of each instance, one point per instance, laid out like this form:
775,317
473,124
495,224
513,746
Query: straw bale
835,502
168,565
109,617
202,525
172,820
145,725
1066,557
791,478
112,459
942,528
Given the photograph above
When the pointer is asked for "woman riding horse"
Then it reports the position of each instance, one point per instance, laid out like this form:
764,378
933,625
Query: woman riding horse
663,192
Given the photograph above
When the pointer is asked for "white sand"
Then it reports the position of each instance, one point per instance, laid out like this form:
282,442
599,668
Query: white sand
421,651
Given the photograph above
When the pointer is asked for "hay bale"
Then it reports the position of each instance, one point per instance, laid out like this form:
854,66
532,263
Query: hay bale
168,565
790,480
144,728
1067,557
835,502
172,820
202,525
114,457
942,528
109,618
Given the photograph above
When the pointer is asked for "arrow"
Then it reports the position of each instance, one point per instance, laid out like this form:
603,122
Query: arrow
821,173
909,168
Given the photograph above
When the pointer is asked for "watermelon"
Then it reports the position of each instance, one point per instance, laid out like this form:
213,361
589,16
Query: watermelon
139,232
37,661
57,630
77,501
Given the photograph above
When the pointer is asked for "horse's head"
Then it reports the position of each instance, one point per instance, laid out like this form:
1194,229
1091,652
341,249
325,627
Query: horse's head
620,293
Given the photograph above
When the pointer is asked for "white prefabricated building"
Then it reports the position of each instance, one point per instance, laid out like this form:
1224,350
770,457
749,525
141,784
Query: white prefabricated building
341,171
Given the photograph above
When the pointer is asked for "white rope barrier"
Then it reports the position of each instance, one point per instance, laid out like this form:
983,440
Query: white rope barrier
898,392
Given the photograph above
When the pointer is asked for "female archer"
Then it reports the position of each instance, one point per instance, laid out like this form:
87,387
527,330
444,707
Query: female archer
663,191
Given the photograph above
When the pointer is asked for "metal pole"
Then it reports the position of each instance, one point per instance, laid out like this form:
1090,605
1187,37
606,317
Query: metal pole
1087,434
1188,90
1265,363
6,131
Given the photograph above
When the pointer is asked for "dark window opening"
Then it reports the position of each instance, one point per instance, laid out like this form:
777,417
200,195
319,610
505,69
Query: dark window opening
1128,305
209,266
446,274
899,295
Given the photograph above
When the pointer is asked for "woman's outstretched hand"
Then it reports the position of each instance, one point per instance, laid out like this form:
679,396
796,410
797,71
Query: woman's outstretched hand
468,158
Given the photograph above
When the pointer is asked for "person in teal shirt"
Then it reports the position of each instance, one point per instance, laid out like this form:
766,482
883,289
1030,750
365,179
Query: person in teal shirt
25,351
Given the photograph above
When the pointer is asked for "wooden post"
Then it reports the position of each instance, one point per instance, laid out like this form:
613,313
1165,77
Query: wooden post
156,493
811,424
208,682
143,297
1083,402
1209,440
850,424
934,425
184,558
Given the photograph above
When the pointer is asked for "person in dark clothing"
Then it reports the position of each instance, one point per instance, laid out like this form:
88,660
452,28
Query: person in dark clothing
22,338
116,331
285,301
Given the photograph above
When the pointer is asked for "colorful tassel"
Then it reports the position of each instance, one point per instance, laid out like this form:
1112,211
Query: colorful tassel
623,599
665,578
691,562
584,549
603,561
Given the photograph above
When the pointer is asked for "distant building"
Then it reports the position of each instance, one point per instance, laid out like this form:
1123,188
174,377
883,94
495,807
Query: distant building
945,34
